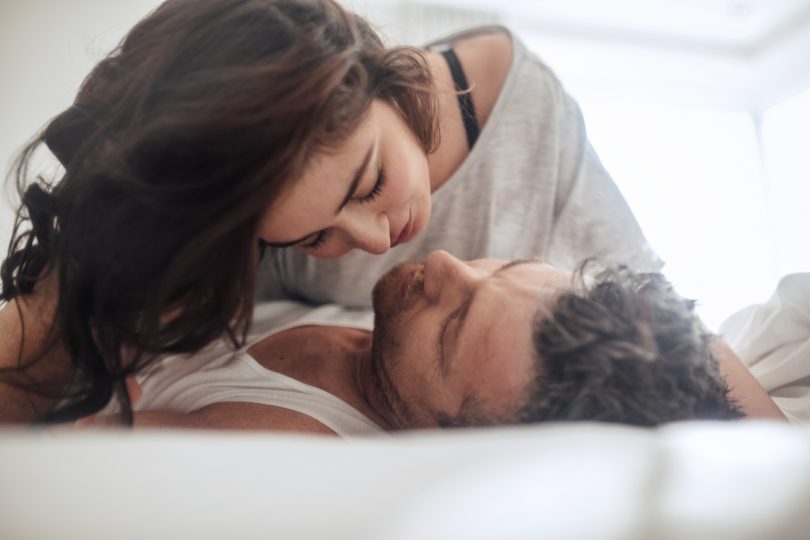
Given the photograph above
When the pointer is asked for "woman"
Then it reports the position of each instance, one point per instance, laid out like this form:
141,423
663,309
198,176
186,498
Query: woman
222,124
513,177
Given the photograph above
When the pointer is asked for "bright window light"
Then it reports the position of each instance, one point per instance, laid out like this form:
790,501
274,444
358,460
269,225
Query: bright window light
785,135
694,180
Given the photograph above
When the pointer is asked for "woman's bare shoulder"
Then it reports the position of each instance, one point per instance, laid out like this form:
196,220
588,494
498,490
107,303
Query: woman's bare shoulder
486,59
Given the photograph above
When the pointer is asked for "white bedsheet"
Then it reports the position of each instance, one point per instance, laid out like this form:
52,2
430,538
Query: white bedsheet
773,340
740,480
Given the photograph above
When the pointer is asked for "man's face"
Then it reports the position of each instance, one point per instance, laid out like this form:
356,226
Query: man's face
453,340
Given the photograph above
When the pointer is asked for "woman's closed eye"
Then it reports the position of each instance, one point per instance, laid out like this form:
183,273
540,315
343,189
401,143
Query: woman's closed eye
375,191
320,238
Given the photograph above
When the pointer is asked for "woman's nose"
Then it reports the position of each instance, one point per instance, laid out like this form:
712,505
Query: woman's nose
447,277
367,231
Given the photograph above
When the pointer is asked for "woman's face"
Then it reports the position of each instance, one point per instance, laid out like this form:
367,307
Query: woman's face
372,193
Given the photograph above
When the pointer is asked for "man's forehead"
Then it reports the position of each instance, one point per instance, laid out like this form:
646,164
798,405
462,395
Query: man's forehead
501,313
498,357
523,280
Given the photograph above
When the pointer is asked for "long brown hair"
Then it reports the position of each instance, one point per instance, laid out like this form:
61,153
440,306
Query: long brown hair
176,144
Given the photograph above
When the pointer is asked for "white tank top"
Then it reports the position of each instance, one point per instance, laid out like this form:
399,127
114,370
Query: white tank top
219,374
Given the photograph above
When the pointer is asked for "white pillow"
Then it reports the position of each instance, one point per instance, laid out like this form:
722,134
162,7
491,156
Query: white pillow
693,480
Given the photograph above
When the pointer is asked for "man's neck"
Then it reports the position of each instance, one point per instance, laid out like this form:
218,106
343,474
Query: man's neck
332,358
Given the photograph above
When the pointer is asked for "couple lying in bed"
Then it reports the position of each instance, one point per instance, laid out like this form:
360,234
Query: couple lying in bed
457,343
147,244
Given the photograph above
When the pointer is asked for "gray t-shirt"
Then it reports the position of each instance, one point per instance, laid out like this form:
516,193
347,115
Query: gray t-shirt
532,186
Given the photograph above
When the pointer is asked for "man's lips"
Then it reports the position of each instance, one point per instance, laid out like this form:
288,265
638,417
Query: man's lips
405,233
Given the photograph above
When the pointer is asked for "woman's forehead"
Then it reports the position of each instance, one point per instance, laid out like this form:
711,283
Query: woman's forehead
348,152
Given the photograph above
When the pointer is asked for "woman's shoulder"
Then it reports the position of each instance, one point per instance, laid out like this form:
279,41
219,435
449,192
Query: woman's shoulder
484,51
491,32
486,56
487,53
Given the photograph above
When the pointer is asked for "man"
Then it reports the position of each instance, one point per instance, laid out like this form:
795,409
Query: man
458,344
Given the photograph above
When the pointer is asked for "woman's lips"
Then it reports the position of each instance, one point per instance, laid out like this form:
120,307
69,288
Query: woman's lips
405,234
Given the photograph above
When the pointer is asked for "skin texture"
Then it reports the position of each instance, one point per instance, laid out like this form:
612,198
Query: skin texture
23,321
369,220
744,388
454,339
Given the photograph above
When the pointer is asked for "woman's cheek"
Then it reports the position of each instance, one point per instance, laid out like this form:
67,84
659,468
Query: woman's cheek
408,184
336,250
398,188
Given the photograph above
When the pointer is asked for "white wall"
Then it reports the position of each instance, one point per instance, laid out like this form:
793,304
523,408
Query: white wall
46,48
786,145
694,179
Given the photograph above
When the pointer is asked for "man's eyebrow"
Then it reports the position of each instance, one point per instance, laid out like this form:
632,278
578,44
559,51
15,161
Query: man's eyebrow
464,309
358,175
461,315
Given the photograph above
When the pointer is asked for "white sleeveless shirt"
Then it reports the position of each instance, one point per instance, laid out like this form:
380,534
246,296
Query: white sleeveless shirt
218,374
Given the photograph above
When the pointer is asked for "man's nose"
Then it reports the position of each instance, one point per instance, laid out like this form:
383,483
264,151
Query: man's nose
367,231
447,278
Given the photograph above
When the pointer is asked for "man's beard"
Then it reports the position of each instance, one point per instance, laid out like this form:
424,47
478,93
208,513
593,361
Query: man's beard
398,411
397,290
392,296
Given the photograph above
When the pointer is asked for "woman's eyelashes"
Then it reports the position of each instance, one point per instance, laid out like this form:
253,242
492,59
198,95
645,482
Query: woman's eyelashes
320,238
375,191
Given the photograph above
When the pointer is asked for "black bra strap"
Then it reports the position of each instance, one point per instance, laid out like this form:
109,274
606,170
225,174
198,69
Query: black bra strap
465,99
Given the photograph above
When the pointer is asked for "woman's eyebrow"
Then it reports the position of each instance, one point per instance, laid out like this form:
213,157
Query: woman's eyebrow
358,175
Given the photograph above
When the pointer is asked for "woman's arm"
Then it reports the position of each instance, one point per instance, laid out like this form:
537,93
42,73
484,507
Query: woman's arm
25,324
745,389
220,416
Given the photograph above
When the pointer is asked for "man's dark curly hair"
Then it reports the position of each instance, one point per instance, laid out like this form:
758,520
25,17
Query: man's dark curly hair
625,348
